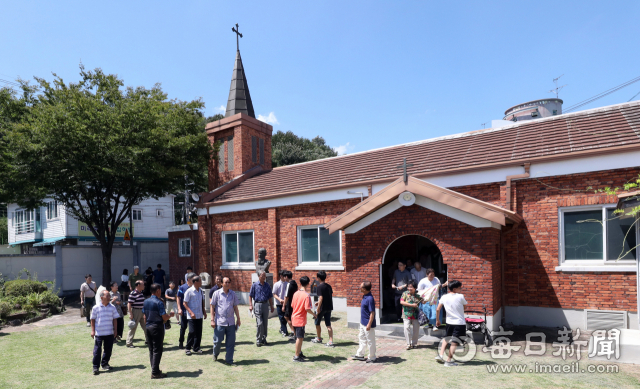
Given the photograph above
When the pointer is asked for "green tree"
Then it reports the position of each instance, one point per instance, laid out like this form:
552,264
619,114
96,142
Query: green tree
4,230
99,148
288,149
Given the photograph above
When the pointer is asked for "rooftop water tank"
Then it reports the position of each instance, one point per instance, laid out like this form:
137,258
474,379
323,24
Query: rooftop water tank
535,109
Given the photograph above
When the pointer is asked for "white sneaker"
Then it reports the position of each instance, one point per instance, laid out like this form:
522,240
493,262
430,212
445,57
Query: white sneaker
450,364
88,324
439,359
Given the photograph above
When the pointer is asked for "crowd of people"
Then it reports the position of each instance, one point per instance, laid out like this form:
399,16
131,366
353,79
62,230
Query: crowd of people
141,297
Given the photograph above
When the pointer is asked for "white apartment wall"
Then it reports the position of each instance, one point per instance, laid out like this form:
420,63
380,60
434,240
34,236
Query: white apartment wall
151,226
54,228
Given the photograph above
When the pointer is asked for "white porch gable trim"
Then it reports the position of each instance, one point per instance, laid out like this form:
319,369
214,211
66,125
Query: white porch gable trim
424,202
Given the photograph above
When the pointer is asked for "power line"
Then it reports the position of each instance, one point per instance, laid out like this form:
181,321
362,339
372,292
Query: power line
633,97
9,82
601,95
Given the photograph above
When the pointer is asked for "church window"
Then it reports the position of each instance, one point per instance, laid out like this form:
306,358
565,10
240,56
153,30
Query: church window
261,151
596,233
254,149
317,246
230,153
221,158
237,248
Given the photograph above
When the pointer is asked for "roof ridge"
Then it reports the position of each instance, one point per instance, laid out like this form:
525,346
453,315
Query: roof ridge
474,132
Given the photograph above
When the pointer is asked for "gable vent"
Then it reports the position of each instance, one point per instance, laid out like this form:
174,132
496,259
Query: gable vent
605,320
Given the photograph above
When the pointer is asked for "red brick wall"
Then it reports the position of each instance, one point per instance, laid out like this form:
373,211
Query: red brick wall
468,252
177,264
242,158
532,249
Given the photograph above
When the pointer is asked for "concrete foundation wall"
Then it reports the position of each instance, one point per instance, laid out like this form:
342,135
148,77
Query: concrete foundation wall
44,266
556,317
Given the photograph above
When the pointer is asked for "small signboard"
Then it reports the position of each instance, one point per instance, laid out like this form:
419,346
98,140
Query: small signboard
127,237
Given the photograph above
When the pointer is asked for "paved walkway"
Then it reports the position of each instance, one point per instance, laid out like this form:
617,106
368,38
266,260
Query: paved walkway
70,316
355,373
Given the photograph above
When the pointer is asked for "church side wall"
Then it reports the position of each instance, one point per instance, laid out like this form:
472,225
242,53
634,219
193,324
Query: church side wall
533,249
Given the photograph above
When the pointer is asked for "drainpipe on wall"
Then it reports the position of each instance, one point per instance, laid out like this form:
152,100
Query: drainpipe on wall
526,174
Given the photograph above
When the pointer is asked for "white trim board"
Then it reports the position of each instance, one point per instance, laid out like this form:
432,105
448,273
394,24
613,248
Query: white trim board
424,202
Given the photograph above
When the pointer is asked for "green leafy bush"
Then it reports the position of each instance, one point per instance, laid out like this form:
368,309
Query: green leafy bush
5,309
23,287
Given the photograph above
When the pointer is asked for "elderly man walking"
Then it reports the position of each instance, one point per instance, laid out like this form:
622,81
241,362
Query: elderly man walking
104,324
224,304
155,316
136,303
259,296
194,304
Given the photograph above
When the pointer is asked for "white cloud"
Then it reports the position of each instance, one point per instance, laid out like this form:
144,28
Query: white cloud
269,119
343,149
220,109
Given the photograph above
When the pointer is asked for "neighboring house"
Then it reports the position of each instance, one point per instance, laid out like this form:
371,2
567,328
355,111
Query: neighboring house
504,210
38,230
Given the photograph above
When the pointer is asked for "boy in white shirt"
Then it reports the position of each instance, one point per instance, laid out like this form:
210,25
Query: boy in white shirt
454,304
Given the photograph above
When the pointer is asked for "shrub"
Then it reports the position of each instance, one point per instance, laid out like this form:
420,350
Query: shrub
5,309
23,287
50,298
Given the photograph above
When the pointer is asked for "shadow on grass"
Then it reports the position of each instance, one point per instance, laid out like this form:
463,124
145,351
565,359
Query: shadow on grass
326,358
478,362
241,343
345,344
4,333
390,360
248,362
189,374
130,367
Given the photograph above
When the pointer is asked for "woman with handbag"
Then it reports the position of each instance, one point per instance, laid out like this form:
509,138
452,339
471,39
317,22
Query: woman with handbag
87,298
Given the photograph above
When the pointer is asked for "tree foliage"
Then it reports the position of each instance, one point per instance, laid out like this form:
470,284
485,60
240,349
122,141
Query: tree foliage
288,148
98,147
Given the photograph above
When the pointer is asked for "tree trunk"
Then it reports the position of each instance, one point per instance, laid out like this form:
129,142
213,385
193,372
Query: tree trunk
106,263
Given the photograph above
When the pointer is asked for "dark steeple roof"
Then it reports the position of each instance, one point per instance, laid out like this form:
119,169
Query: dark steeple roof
239,97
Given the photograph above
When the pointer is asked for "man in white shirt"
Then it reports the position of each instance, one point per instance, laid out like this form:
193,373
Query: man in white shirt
454,303
104,324
279,293
194,305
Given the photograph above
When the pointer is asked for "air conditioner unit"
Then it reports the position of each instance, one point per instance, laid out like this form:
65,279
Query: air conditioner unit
159,212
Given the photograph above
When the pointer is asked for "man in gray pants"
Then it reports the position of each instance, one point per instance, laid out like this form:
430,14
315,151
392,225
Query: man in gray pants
259,296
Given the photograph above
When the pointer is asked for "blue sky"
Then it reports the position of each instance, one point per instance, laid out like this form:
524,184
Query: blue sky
361,74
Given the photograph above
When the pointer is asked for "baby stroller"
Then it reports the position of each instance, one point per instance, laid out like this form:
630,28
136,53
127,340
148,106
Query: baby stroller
475,324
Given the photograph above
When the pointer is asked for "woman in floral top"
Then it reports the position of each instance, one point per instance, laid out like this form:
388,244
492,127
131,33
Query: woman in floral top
410,301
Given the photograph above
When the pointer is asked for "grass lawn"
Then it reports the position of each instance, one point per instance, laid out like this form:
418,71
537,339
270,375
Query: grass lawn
60,357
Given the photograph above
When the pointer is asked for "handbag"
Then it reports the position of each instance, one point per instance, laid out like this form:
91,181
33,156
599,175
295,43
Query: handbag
422,318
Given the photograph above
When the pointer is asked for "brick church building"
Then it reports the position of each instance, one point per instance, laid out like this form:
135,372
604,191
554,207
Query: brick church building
509,211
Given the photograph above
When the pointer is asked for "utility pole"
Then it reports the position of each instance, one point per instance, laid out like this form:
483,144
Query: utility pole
187,219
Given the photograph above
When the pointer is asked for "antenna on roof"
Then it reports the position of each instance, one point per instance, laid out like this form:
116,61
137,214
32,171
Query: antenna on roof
557,89
484,125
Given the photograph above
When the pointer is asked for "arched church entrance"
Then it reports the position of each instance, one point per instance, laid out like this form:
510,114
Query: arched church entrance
409,249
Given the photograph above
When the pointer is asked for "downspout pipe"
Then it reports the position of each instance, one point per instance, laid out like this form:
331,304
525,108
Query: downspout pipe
515,177
526,174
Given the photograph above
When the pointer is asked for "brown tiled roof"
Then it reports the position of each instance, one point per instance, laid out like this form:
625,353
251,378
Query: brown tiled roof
603,130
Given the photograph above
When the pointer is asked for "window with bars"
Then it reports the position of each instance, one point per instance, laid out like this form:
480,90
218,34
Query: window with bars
24,221
184,246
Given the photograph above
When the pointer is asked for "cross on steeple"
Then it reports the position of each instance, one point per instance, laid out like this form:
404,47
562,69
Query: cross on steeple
235,29
404,166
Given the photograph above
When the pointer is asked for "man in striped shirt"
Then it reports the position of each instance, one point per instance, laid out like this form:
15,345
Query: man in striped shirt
136,302
104,323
